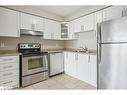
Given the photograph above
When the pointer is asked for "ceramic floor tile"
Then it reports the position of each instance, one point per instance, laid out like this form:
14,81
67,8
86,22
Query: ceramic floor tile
61,81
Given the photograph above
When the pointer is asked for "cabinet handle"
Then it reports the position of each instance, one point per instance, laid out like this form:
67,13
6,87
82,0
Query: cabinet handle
66,55
7,67
82,27
32,26
89,59
76,56
7,59
52,35
7,74
7,82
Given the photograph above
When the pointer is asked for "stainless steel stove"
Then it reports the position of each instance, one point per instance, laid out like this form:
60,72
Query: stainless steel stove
34,63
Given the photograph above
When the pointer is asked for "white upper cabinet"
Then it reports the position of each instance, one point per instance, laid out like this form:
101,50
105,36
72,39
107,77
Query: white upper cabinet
82,24
56,30
98,16
51,29
31,22
112,13
88,22
39,23
71,26
26,21
9,23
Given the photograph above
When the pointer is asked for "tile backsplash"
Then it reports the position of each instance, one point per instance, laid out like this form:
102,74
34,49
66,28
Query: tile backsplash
85,39
11,42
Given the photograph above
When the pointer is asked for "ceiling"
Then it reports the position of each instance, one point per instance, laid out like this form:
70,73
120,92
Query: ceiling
62,11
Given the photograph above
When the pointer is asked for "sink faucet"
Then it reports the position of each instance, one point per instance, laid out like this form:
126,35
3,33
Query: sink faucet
85,49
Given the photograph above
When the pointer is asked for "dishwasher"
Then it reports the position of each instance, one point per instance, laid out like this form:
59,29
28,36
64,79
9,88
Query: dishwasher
56,63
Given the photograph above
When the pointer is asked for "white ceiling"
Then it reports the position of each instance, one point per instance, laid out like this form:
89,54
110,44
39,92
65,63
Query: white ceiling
62,11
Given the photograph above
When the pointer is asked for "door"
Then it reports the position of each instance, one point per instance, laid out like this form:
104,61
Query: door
113,66
114,31
9,23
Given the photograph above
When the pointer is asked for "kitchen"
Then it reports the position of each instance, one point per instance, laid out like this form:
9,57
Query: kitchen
44,48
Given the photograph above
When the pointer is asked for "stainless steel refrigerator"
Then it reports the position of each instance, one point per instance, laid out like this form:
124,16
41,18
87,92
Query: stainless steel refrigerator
112,54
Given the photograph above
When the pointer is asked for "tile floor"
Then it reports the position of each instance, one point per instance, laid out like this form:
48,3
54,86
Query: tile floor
61,81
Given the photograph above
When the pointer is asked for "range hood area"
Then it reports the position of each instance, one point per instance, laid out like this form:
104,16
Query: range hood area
31,32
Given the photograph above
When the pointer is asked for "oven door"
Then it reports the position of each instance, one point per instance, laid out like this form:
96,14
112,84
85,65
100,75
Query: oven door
34,64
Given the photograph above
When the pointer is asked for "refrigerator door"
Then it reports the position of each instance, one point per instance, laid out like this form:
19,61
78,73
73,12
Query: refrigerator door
113,67
114,31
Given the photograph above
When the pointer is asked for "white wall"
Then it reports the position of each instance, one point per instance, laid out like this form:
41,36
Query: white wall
11,43
32,10
85,39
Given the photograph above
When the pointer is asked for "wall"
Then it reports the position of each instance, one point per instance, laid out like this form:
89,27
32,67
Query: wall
32,10
85,39
11,43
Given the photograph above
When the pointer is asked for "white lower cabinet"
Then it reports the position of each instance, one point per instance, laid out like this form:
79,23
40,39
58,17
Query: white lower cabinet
70,63
81,66
9,72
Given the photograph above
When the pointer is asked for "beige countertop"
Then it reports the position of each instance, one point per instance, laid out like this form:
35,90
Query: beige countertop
9,53
91,51
52,50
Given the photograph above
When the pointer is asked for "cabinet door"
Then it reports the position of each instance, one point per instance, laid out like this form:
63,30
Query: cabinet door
70,64
98,17
39,23
9,23
56,30
89,21
83,68
27,21
112,13
93,69
78,25
47,29
71,26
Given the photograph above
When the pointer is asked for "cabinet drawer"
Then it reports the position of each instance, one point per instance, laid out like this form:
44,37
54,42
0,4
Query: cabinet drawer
12,82
9,59
9,66
7,74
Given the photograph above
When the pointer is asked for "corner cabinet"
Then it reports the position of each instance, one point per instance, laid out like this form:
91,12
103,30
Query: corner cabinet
9,23
31,22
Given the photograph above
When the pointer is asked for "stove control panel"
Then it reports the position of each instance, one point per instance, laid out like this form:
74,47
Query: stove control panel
29,45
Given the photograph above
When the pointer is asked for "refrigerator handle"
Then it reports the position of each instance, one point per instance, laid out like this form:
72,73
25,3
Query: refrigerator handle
98,33
99,53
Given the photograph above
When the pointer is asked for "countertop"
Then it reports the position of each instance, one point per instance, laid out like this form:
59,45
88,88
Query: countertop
52,50
57,50
9,53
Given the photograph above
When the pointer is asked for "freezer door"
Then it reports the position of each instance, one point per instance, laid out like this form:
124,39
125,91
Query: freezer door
114,31
113,67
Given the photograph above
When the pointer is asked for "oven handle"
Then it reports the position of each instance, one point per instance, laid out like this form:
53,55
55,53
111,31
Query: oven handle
46,61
